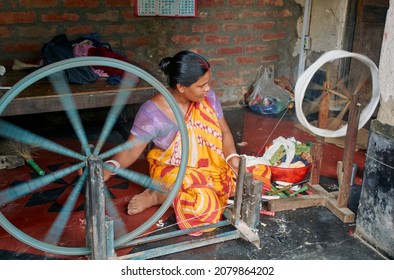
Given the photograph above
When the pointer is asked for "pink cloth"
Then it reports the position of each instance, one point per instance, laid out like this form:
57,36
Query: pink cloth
82,49
105,52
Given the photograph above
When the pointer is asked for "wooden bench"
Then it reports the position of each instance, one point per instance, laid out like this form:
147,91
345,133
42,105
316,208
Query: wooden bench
40,97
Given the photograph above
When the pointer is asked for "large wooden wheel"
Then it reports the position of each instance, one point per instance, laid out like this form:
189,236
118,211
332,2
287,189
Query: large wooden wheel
98,204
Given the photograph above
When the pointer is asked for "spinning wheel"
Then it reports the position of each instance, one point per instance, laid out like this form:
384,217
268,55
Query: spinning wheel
343,104
98,204
325,88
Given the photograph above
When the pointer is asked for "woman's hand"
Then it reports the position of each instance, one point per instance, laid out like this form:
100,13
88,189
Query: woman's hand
233,161
234,164
107,174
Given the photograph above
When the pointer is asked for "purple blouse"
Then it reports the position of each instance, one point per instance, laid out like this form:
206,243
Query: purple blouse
152,123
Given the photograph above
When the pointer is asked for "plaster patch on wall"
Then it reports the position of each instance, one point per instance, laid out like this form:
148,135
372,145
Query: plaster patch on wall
327,25
386,110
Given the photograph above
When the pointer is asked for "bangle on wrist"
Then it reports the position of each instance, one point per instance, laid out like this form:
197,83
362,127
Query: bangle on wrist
114,163
231,156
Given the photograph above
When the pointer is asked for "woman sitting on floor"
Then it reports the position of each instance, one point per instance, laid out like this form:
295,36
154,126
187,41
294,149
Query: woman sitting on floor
209,180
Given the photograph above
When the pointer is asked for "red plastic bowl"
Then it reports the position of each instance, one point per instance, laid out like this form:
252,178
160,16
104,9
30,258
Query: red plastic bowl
290,175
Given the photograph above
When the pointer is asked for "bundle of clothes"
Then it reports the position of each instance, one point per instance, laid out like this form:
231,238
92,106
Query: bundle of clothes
284,152
60,48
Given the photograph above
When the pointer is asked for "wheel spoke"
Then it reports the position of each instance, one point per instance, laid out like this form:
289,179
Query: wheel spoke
13,193
58,226
334,124
14,132
342,86
61,86
360,85
122,147
120,101
138,178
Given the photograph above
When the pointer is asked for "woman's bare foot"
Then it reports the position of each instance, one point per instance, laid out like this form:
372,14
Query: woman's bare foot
144,200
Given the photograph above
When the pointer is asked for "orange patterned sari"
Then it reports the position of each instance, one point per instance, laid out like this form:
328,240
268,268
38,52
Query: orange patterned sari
208,181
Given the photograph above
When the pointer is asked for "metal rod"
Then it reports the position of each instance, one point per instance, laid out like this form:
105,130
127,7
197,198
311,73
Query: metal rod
183,246
177,233
95,187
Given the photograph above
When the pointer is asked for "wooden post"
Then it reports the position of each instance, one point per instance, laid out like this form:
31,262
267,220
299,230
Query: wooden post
349,149
317,152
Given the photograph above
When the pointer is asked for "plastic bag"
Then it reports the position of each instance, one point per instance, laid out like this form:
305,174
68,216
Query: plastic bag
267,97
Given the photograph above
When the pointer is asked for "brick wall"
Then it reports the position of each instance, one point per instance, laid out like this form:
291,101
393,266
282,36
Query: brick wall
237,36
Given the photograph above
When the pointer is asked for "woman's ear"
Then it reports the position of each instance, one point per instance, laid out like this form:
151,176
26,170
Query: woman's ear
180,88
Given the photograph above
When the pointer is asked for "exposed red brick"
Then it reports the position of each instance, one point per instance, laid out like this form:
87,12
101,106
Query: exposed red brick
17,17
286,13
266,14
247,59
229,73
185,39
232,34
111,29
252,14
81,4
4,32
230,50
270,2
135,41
246,38
257,48
79,29
119,3
37,3
22,46
235,26
36,31
60,17
210,3
215,39
274,36
263,25
240,2
219,61
129,14
225,16
233,81
110,15
205,28
270,58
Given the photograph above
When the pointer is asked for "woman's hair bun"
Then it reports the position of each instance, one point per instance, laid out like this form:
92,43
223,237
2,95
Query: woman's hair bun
164,64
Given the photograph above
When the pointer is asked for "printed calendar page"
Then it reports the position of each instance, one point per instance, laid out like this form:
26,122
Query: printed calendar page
166,8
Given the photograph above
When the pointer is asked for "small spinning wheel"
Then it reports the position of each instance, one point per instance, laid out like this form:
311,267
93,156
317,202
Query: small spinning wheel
329,86
343,104
98,203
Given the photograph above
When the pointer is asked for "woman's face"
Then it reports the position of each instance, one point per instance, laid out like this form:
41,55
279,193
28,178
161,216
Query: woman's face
199,90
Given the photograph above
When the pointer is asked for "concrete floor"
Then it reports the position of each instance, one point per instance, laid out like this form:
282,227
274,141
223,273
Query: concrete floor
302,234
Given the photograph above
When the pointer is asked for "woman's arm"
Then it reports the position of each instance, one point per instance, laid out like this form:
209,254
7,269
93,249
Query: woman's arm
126,157
228,144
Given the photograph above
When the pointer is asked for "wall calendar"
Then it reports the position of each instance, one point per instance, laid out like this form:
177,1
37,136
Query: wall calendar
166,8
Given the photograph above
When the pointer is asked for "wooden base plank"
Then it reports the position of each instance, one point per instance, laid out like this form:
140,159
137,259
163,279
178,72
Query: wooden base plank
320,197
